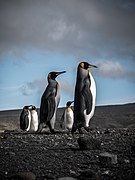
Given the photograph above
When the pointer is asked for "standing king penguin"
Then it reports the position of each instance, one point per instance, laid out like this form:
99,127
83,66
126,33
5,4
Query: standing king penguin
34,119
49,102
85,98
68,116
25,118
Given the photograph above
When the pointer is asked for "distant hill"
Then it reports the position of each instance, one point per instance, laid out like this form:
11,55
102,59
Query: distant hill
112,116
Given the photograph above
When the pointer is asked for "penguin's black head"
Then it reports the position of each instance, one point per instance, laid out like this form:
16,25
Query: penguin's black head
86,65
53,75
69,103
27,107
33,107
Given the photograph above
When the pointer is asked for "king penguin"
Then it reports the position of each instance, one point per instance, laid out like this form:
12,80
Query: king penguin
34,119
49,102
84,98
25,118
68,116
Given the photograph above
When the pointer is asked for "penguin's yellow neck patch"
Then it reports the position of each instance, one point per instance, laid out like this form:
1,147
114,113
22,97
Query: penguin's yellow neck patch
82,65
68,109
32,110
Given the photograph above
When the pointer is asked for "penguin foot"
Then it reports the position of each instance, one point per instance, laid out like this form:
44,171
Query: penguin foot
73,130
82,130
38,132
52,131
40,127
50,127
88,129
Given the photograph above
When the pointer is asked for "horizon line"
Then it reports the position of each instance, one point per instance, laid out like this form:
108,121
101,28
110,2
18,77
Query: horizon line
99,105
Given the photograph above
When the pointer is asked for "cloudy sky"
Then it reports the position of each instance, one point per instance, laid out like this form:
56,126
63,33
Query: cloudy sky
39,36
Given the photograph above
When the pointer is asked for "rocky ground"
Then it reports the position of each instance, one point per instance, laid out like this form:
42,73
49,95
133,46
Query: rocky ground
50,156
107,152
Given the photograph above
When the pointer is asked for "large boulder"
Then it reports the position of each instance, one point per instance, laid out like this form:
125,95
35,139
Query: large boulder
107,159
88,143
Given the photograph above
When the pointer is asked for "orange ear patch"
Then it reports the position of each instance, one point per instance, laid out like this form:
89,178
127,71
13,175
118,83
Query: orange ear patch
49,76
82,65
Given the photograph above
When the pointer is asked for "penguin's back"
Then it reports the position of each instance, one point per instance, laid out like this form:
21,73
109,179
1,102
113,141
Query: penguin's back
25,119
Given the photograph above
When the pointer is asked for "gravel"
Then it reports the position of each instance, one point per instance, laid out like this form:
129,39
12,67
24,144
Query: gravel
56,156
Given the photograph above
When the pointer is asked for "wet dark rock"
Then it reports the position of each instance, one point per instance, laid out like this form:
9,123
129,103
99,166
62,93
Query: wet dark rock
47,177
5,136
107,159
67,178
107,131
90,143
88,174
10,153
23,176
133,148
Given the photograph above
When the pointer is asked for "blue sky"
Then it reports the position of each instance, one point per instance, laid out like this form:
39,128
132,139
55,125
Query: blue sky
37,37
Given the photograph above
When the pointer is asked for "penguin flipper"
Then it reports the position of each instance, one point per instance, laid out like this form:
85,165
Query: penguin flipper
62,119
50,107
88,98
47,109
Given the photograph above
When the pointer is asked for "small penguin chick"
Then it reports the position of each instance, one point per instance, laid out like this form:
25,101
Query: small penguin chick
34,119
67,117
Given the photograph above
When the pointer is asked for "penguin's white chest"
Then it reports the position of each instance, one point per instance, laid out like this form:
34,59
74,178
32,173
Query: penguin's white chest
29,120
68,118
34,121
57,98
93,92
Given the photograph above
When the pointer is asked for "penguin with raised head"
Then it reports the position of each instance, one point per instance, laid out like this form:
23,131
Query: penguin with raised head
68,116
34,119
85,98
25,118
49,102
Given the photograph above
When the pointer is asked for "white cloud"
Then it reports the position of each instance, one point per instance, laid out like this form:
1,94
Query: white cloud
28,88
113,69
110,69
39,85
